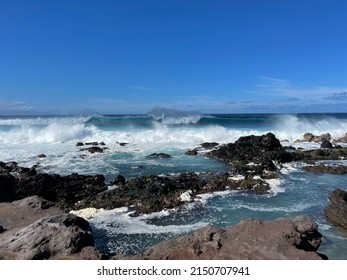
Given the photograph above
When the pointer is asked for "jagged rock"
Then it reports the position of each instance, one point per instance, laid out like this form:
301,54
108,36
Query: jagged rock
309,137
342,139
119,180
64,191
122,144
158,155
191,152
56,236
320,154
34,202
280,239
79,144
336,212
102,144
1,229
209,145
92,143
326,144
155,193
92,150
41,156
252,149
339,169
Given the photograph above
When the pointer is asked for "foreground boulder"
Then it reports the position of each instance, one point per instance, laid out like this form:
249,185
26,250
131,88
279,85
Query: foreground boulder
251,239
58,236
336,212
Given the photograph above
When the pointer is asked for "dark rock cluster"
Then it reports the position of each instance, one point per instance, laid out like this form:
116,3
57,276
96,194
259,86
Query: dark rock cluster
64,191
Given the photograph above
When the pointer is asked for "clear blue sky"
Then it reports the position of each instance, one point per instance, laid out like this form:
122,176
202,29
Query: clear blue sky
232,56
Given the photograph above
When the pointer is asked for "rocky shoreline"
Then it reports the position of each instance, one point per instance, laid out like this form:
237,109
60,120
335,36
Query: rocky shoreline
253,161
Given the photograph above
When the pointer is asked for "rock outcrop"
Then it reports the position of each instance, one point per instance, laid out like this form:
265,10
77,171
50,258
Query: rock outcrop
37,230
280,239
155,193
310,137
332,169
336,212
19,182
158,155
57,236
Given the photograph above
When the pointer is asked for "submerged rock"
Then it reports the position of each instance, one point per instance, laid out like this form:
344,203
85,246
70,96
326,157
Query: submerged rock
191,152
280,239
336,212
158,155
41,156
92,150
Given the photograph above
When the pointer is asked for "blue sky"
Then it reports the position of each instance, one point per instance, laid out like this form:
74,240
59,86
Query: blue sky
115,57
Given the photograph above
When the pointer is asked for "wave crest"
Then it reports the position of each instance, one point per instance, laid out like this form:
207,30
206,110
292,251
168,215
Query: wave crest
175,117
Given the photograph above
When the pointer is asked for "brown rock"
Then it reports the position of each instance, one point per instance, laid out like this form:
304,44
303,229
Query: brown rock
56,236
336,212
281,239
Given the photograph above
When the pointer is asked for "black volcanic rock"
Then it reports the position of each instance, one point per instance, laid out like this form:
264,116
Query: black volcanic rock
251,148
321,168
92,150
119,180
209,145
7,188
326,144
158,155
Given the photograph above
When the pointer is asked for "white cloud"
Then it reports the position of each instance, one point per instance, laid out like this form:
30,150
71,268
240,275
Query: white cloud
283,88
13,106
141,88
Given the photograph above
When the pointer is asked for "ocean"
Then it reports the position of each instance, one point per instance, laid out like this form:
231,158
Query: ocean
130,138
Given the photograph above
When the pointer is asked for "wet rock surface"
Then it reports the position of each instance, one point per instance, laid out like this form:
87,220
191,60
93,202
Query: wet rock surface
332,169
64,191
158,155
155,193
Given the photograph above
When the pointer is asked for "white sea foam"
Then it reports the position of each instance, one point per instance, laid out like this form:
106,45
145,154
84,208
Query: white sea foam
203,198
276,186
261,208
291,127
42,121
290,167
87,213
121,222
52,133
